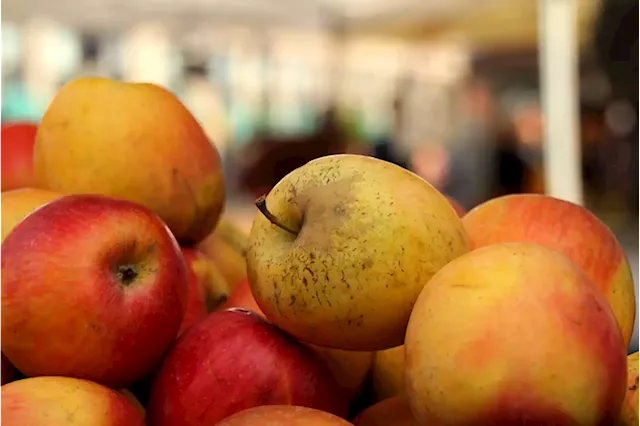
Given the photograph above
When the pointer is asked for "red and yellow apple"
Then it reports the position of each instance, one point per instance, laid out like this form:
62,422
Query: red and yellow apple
629,412
280,415
349,368
392,411
234,360
64,401
17,155
567,228
387,373
514,334
135,141
196,307
216,288
18,203
93,288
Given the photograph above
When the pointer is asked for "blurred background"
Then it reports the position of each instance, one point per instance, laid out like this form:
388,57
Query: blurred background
449,89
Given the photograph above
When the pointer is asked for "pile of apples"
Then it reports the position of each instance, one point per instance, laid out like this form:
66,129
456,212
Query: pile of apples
361,296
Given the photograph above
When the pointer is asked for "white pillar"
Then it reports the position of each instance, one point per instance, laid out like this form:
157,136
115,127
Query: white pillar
559,92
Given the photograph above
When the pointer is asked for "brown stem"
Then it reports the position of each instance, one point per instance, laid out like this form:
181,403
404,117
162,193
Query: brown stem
261,204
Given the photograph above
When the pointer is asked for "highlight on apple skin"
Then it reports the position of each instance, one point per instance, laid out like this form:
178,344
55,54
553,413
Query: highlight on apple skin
514,333
92,287
568,228
234,360
64,401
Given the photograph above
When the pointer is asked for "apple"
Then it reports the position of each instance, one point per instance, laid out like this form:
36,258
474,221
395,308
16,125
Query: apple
64,401
514,334
349,368
196,308
629,413
135,141
387,373
17,155
18,203
347,275
280,415
216,288
226,246
93,288
133,400
234,360
392,411
567,228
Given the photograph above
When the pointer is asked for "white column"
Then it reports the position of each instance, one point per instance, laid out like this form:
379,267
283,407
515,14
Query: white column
559,91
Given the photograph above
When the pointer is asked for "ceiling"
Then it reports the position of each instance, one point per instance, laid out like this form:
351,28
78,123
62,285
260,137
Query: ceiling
113,14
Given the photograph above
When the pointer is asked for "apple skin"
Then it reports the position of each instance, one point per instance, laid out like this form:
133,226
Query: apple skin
134,141
387,373
373,234
567,228
349,368
629,412
196,309
93,288
17,155
234,360
528,329
279,415
63,401
18,203
391,411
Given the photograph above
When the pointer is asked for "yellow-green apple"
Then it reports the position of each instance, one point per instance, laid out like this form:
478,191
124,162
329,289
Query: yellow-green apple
18,203
92,287
387,373
196,308
349,368
514,334
226,248
280,415
17,155
391,411
135,141
234,360
342,247
65,401
565,227
629,412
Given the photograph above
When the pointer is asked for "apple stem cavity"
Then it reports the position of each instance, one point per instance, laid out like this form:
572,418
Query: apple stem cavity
261,204
126,274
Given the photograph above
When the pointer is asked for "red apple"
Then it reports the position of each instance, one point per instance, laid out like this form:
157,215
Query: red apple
234,360
349,368
17,155
62,401
279,415
92,287
196,297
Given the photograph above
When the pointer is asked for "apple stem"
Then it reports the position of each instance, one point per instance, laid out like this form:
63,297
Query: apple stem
261,204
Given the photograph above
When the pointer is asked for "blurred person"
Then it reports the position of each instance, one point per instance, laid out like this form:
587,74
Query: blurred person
389,148
469,178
